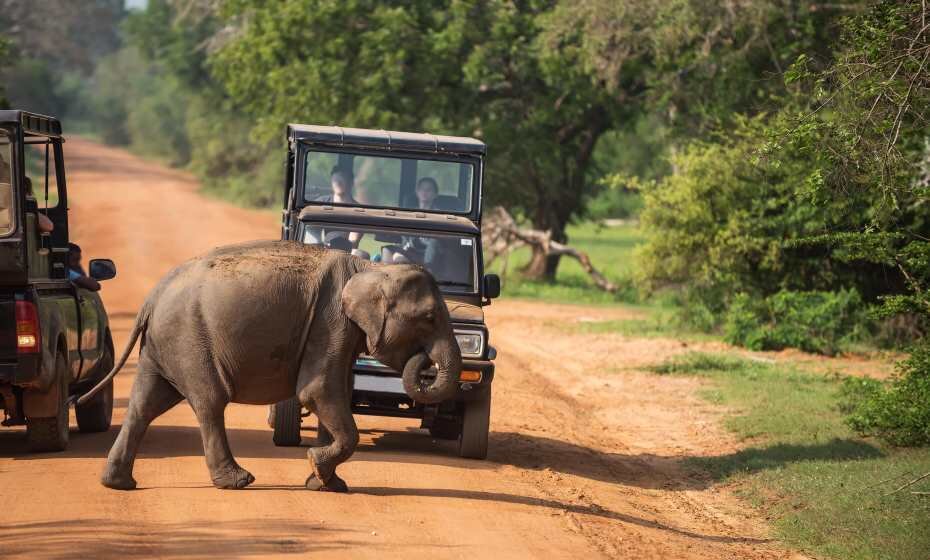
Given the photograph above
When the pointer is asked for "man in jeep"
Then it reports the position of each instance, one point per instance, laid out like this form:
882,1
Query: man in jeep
76,271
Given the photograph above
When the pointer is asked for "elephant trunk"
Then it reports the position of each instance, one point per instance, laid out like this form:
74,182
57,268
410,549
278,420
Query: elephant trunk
448,362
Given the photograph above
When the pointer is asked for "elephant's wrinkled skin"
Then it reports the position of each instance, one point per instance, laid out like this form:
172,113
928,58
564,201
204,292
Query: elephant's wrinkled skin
254,323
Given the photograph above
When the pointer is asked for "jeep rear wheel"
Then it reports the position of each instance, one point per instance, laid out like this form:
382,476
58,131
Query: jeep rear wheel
473,443
284,418
51,434
97,414
445,428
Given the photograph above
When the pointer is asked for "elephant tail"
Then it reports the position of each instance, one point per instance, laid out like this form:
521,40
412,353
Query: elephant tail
141,321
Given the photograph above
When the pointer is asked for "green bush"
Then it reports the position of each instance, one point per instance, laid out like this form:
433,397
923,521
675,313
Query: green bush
821,322
896,411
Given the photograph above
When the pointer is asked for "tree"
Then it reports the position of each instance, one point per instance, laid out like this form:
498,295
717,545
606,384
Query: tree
71,35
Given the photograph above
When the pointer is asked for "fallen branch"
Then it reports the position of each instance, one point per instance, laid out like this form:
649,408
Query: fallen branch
501,235
879,483
908,484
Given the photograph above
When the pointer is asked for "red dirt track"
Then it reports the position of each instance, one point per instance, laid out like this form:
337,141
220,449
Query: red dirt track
584,461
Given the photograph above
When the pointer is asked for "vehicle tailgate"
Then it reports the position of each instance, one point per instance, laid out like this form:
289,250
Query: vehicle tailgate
7,333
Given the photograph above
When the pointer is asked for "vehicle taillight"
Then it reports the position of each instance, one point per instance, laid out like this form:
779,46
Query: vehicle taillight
27,327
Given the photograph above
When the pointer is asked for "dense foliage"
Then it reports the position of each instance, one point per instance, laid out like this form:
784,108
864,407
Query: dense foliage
57,45
822,322
897,412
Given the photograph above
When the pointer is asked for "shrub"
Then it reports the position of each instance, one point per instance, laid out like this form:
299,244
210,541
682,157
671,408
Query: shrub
820,322
895,411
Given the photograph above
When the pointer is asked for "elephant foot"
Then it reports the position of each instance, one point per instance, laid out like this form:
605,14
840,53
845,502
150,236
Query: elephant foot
234,478
335,484
117,481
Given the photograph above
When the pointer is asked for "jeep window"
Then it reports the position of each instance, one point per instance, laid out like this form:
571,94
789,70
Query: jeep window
38,152
450,258
6,184
388,181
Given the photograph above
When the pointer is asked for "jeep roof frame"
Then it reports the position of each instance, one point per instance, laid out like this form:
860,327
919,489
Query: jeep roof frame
32,124
344,137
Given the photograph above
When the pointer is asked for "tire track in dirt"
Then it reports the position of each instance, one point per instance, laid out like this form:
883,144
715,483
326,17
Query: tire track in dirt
584,461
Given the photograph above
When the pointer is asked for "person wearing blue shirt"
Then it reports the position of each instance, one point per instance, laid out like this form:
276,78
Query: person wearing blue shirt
76,271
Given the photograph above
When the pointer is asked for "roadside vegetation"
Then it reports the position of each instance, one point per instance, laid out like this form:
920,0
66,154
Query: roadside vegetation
829,491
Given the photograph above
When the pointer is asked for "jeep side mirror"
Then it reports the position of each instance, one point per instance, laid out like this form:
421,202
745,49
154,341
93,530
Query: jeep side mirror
491,286
102,269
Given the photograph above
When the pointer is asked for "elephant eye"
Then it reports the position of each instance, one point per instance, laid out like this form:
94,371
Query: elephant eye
430,316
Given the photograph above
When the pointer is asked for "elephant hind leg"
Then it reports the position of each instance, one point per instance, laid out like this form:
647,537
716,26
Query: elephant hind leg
151,397
336,417
224,470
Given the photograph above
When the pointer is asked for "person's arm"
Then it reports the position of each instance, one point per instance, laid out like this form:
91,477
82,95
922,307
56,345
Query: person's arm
44,223
82,281
355,237
87,283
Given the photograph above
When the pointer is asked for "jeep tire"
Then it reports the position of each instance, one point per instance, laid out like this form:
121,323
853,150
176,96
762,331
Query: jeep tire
51,434
446,428
284,418
473,443
96,415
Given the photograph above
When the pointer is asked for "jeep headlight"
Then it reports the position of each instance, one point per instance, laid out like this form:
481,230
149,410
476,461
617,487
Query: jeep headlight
471,343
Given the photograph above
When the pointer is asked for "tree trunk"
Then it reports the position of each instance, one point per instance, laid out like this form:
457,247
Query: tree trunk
544,265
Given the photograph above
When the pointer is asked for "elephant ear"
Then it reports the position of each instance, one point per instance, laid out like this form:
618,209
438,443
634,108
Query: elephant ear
365,304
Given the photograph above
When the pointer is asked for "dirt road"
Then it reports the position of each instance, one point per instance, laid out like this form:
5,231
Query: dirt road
584,462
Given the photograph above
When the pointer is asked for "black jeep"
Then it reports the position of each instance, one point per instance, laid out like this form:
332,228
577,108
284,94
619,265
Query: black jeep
54,336
396,197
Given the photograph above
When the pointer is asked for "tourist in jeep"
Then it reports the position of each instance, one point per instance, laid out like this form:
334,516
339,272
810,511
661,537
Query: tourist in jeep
427,190
342,180
76,272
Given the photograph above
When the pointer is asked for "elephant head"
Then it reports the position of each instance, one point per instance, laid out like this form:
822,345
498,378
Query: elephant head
406,325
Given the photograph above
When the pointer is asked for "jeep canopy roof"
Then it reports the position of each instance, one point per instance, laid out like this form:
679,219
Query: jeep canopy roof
32,124
340,137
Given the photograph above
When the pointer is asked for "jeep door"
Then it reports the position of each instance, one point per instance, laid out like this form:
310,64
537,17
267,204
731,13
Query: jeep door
91,308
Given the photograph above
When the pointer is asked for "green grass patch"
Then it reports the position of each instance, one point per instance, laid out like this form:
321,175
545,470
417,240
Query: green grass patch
611,253
826,488
657,321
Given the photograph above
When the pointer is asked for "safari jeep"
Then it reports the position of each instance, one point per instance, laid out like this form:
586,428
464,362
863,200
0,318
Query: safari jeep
54,337
395,197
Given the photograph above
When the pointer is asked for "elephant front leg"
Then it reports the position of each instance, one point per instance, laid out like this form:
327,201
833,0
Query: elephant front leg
332,404
224,471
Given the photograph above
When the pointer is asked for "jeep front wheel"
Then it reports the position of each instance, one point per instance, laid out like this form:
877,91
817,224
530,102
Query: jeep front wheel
473,443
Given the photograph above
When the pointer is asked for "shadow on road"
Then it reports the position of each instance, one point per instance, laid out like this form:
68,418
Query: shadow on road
525,451
100,538
448,493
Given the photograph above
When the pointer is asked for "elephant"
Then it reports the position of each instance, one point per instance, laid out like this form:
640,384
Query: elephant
259,322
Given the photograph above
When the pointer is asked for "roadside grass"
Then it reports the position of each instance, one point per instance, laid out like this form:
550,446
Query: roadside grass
611,252
658,320
829,492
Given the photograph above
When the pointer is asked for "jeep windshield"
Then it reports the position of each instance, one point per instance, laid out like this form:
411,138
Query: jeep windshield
450,258
402,182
